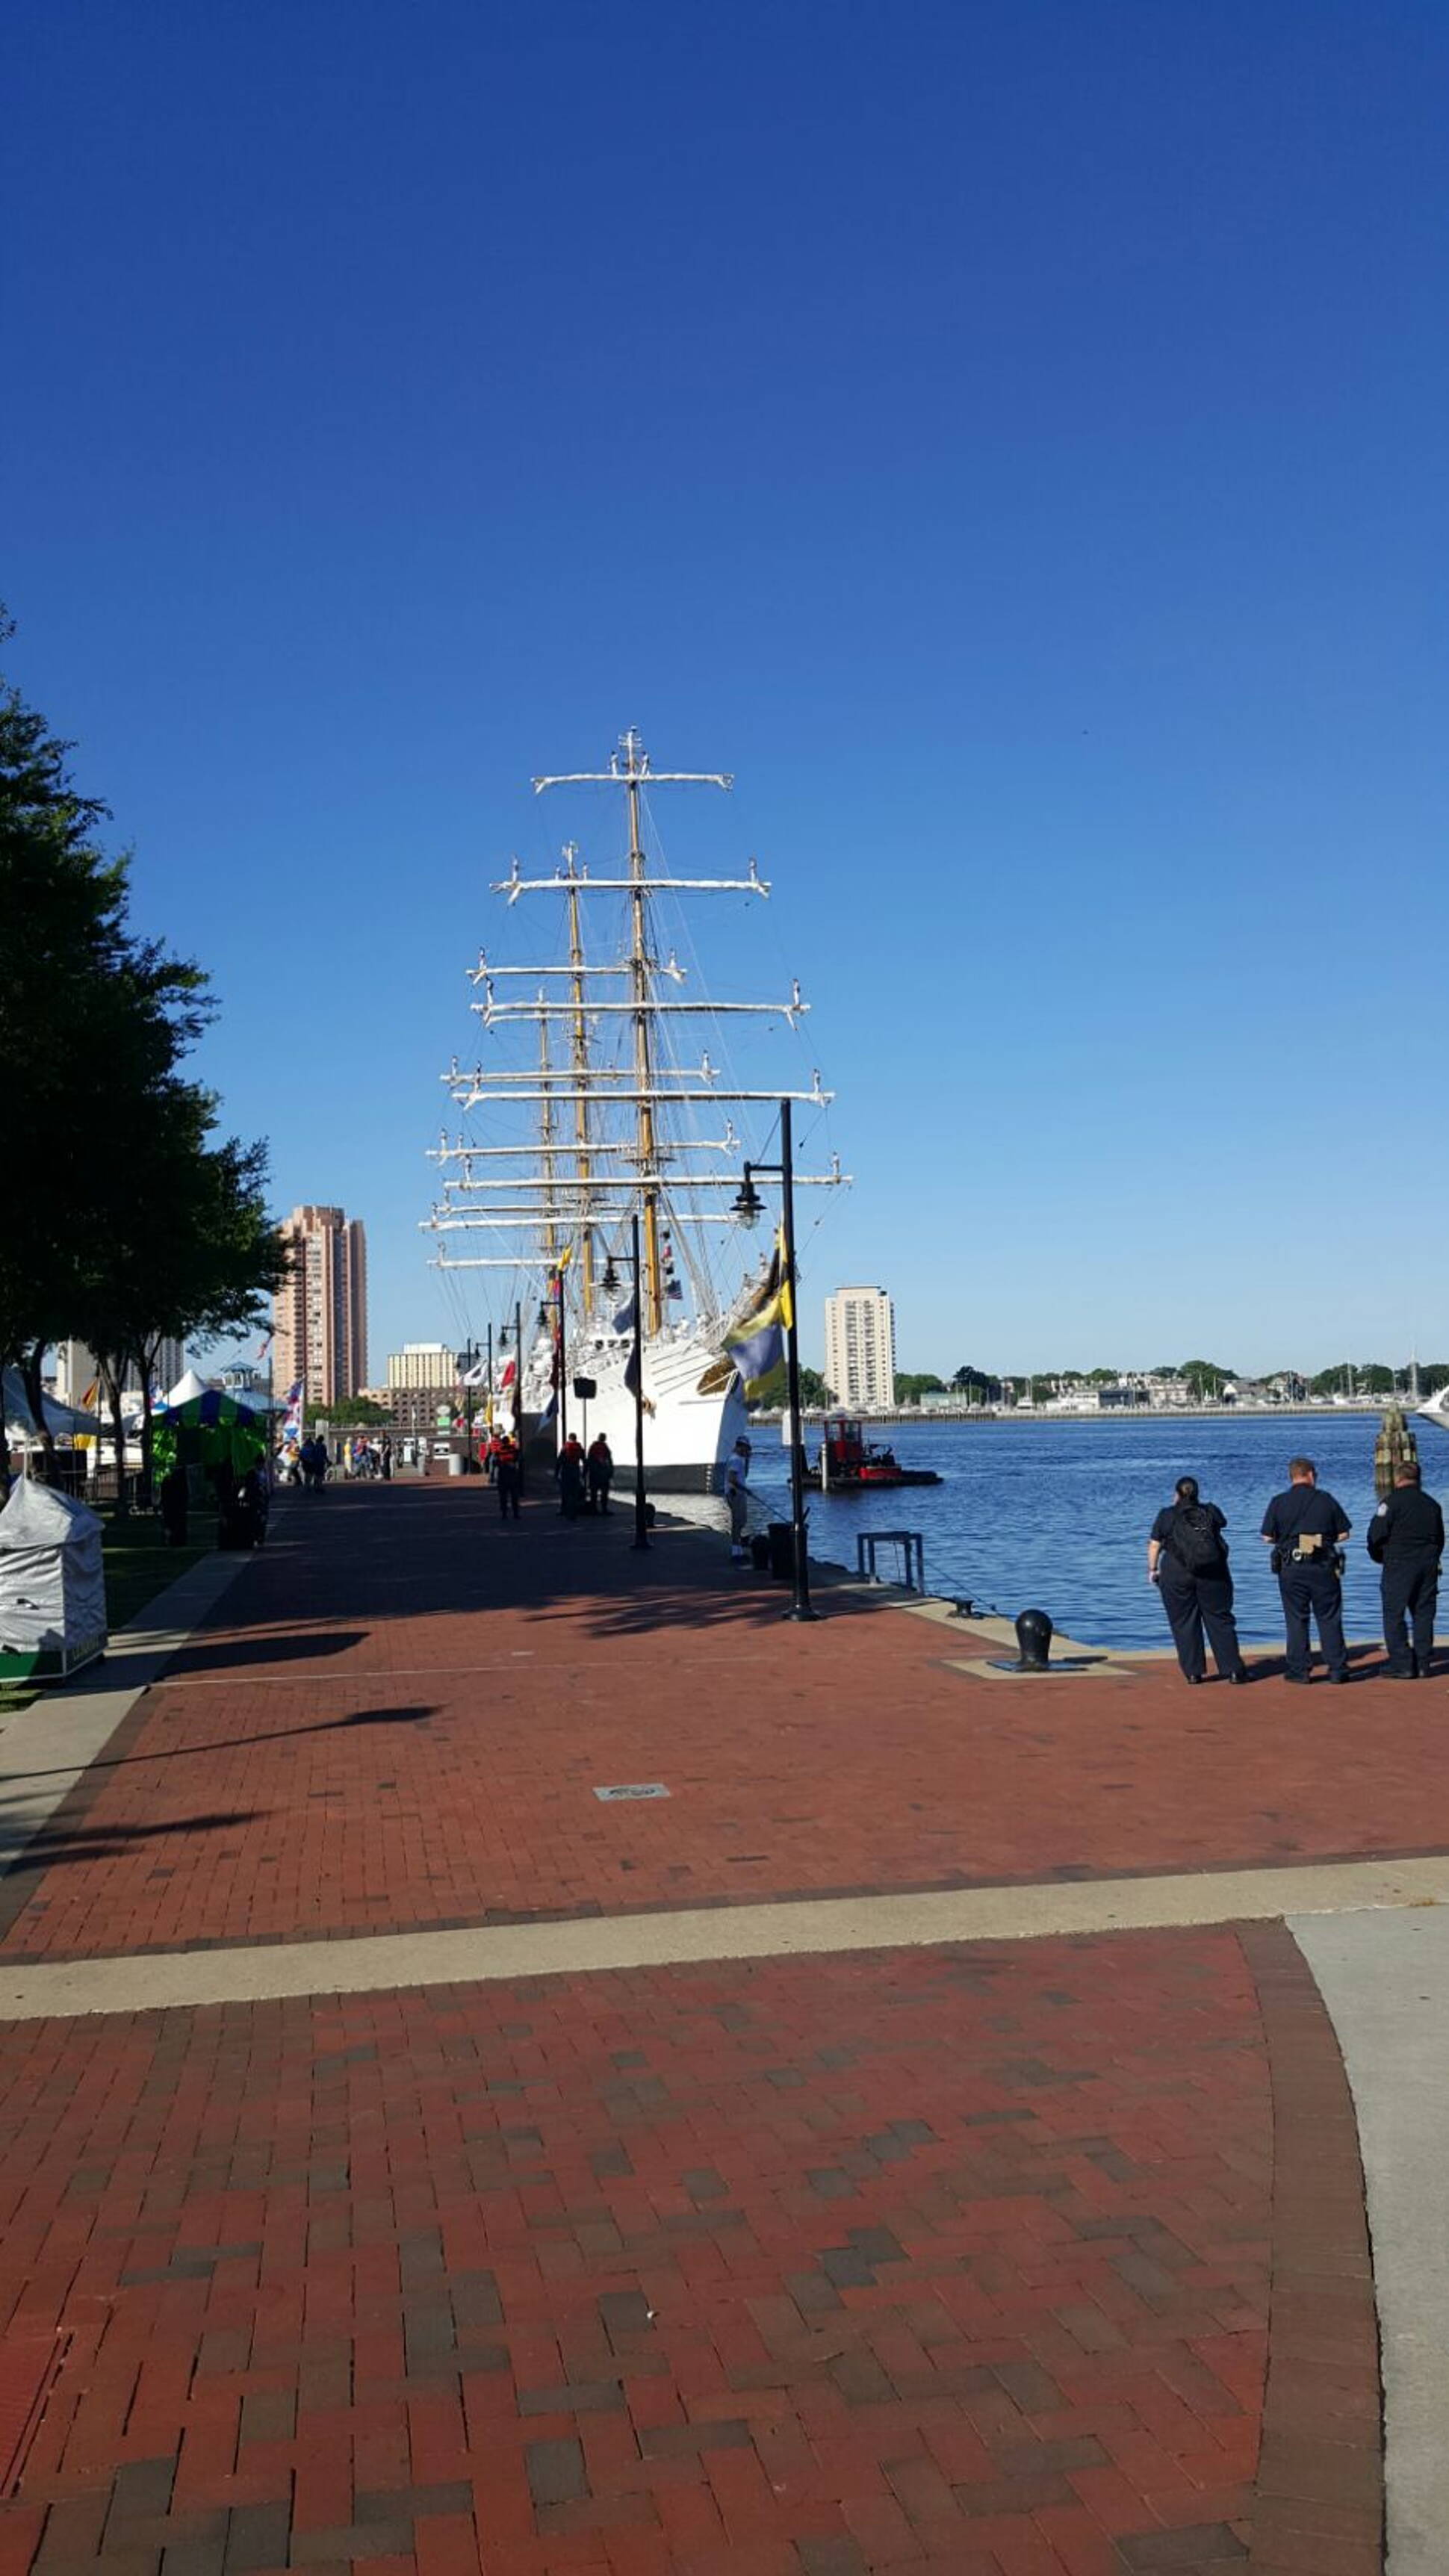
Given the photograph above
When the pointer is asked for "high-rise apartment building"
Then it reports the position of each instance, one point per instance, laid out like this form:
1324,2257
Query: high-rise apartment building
76,1373
860,1349
319,1313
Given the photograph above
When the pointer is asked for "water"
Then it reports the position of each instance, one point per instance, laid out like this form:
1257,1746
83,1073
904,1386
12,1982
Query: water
1056,1513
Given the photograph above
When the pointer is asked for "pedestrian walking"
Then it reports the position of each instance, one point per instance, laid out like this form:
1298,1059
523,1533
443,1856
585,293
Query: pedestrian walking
737,1497
1406,1539
387,1462
509,1477
1306,1530
569,1469
601,1473
1187,1559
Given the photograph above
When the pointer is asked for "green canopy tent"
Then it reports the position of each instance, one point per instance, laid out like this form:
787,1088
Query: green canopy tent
208,1431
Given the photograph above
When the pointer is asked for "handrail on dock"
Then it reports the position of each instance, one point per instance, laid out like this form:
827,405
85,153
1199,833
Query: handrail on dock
913,1556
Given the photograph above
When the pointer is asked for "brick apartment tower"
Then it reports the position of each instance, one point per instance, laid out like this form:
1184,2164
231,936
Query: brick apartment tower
320,1314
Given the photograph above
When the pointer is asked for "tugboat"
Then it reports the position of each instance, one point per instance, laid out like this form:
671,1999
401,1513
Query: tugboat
849,1464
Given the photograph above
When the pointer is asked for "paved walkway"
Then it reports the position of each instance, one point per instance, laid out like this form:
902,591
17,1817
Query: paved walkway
415,2161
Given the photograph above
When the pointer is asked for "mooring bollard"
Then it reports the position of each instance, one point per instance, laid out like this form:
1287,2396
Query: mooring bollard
1034,1641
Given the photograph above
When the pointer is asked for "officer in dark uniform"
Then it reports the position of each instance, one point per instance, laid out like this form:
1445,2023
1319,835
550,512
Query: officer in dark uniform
1187,1559
1306,1529
1406,1537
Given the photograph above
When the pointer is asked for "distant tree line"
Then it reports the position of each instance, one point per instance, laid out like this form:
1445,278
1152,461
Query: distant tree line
129,1218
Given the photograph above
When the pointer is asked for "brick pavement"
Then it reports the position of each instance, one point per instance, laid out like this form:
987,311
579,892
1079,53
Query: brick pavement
400,1717
985,2258
952,2257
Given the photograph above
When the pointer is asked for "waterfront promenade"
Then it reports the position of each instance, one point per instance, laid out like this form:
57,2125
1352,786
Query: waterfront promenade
919,2137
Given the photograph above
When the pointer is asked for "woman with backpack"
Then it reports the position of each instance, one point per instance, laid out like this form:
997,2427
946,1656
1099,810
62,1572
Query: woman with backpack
1188,1561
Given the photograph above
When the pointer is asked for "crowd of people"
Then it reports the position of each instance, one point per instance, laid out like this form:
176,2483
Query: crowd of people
1306,1529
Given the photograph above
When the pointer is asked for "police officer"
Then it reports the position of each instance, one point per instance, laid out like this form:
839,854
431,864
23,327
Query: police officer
1406,1537
1306,1528
1187,1559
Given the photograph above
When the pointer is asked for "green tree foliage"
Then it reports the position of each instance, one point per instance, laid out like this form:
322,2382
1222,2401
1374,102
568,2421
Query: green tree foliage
357,1413
976,1386
910,1386
1358,1377
124,1219
1206,1378
814,1390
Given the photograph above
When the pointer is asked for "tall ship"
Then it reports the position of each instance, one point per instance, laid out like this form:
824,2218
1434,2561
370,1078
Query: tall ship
595,1115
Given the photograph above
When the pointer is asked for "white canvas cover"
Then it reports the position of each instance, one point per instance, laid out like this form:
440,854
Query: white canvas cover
187,1387
52,1589
63,1421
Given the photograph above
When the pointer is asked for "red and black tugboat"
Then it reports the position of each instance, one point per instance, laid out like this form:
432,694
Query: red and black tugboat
850,1464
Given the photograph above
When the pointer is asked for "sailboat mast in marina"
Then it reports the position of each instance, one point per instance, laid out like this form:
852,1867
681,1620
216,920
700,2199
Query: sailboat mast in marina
605,1119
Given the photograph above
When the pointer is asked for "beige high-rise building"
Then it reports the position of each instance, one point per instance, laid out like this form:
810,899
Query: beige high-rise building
860,1349
320,1313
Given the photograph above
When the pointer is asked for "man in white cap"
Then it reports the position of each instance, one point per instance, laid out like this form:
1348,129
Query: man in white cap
736,1486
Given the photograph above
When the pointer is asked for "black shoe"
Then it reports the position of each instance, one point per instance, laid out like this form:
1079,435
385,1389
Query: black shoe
1192,1679
1340,1677
1242,1675
1302,1679
1397,1673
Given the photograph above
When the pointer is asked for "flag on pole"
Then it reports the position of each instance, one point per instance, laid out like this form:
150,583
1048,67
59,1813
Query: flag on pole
757,1343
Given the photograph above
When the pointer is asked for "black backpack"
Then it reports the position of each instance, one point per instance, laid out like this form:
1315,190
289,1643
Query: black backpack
1195,1541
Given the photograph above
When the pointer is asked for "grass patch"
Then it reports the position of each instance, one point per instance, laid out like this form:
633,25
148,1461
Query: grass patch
139,1564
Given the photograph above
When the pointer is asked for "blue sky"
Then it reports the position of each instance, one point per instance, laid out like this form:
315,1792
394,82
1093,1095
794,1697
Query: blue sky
1010,438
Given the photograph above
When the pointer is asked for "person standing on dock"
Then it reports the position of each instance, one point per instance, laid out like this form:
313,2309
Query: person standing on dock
737,1496
1306,1530
1406,1539
1188,1562
601,1473
508,1476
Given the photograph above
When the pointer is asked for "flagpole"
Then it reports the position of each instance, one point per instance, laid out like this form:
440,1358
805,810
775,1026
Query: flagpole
800,1601
641,1525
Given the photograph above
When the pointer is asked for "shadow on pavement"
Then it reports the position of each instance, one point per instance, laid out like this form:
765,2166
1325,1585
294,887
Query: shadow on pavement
410,1716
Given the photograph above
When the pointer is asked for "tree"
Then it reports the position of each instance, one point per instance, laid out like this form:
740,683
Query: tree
1205,1379
976,1386
124,1221
357,1412
772,1391
910,1387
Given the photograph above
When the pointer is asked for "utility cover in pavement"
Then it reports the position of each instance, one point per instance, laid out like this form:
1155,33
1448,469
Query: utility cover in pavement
635,1789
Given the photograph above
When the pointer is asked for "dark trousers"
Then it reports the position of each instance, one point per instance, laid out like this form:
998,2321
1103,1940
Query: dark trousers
598,1493
1195,1602
510,1485
1410,1583
1312,1592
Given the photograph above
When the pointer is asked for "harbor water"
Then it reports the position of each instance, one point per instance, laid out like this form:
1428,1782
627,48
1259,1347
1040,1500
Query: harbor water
1056,1513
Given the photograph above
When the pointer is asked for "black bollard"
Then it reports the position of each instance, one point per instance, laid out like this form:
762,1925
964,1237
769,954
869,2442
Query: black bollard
1034,1641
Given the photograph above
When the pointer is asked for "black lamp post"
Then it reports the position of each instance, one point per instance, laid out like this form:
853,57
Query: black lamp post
748,1208
468,1357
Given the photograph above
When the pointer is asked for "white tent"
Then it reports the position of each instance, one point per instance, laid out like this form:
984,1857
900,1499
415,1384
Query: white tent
187,1387
64,1421
52,1587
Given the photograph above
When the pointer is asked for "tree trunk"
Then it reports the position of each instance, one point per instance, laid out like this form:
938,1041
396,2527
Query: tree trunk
35,1397
145,1357
111,1369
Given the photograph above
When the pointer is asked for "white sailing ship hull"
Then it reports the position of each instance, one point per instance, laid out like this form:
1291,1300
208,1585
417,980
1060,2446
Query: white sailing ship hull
1435,1409
694,1410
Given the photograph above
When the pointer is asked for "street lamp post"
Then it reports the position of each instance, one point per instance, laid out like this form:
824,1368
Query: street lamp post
469,1355
747,1209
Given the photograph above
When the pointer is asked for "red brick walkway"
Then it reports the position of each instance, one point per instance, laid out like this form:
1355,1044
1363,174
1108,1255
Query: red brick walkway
383,1756
968,2257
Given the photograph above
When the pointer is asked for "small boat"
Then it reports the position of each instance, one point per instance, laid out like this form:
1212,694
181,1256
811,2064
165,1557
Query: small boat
1435,1408
850,1464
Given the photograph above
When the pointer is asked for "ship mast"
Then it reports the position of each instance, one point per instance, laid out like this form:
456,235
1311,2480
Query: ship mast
583,1157
643,1065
